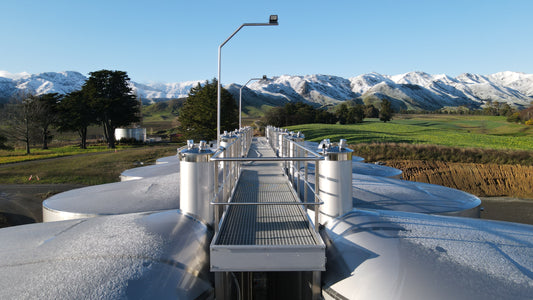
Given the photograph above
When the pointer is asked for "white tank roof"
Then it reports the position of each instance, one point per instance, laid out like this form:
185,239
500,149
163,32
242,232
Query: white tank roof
396,255
375,170
151,171
150,194
374,192
167,159
371,192
151,256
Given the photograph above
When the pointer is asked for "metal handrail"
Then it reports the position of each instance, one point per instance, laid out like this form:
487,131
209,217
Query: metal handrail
223,189
267,158
266,203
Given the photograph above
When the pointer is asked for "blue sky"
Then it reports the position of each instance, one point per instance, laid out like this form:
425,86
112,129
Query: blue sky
175,41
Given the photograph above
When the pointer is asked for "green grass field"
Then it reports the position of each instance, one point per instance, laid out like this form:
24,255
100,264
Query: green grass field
89,168
453,131
19,154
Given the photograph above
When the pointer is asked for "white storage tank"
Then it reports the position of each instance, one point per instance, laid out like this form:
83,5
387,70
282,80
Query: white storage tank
131,133
148,194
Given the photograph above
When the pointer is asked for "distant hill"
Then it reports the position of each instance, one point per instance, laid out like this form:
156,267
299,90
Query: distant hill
409,91
162,110
66,82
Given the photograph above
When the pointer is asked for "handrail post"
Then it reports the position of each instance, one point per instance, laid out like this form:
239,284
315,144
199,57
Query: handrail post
217,208
317,189
224,181
306,173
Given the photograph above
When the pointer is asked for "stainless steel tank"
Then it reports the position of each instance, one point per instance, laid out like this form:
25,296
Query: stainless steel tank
335,176
197,181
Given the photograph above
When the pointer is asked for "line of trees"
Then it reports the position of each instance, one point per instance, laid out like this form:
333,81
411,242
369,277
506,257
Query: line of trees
105,99
491,108
344,113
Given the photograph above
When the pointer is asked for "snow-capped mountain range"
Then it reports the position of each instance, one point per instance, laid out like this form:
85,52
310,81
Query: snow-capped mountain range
66,82
414,90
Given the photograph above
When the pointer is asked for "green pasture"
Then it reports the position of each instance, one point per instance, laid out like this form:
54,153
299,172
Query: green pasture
453,131
88,168
18,155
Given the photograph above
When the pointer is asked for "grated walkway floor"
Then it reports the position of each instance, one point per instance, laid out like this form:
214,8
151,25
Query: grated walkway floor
266,233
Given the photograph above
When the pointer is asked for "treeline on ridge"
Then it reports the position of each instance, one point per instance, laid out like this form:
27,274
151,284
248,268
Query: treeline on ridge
344,113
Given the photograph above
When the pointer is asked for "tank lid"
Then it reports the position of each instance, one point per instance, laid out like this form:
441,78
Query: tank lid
196,153
335,152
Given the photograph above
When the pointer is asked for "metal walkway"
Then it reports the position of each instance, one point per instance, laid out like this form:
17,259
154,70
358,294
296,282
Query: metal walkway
266,237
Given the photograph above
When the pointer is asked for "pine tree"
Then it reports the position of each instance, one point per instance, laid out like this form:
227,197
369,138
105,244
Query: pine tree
75,114
341,112
112,101
198,115
385,113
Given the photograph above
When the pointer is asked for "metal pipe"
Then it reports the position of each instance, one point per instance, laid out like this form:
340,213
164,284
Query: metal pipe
217,208
265,203
267,159
240,98
219,84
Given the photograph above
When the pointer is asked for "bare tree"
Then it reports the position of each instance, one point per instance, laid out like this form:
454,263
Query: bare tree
19,119
45,114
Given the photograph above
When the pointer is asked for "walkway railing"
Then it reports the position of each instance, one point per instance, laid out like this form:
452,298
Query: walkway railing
292,155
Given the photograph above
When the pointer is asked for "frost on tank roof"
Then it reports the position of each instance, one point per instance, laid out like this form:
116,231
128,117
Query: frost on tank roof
95,259
373,192
146,256
160,169
149,194
498,249
419,256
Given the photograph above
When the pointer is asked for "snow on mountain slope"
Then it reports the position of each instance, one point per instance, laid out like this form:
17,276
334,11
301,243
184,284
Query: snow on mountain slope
519,81
66,82
6,74
49,82
154,91
362,83
413,90
416,78
420,90
318,89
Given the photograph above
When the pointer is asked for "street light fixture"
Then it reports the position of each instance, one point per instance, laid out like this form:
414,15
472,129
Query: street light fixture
240,96
273,21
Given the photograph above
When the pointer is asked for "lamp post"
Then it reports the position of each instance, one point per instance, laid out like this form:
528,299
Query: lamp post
240,97
273,20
